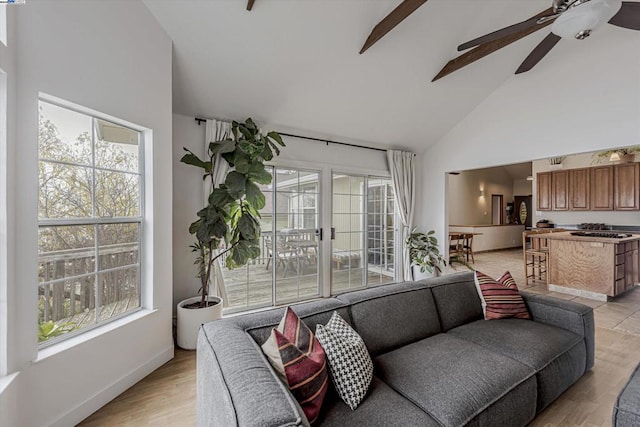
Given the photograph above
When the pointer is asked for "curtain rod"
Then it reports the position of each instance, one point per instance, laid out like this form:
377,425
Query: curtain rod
326,141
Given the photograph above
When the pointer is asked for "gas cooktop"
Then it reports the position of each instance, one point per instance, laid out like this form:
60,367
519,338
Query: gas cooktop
601,234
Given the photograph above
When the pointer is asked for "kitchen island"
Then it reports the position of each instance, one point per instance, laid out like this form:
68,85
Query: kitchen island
595,265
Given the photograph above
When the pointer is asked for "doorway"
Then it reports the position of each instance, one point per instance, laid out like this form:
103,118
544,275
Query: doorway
497,207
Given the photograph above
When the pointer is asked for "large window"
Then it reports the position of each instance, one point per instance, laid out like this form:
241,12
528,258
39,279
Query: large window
90,221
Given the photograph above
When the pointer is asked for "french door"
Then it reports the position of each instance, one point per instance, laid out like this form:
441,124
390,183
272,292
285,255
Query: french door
362,248
352,249
288,268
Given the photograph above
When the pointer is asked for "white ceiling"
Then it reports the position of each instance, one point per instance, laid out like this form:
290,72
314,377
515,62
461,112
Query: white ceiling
294,65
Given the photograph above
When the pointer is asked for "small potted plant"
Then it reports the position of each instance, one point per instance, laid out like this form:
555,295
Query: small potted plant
556,162
229,223
620,155
426,260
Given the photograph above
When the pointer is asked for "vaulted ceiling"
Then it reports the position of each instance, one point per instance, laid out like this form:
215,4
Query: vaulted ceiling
295,65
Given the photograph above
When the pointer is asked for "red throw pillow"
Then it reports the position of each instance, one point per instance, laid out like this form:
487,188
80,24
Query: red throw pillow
296,354
500,298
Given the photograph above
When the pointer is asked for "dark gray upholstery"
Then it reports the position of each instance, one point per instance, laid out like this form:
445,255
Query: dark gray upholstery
235,370
557,355
531,343
312,313
478,373
457,300
626,411
569,315
382,406
454,380
377,312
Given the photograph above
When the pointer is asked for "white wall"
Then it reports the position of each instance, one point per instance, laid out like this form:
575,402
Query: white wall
466,204
187,184
112,57
583,96
522,187
577,217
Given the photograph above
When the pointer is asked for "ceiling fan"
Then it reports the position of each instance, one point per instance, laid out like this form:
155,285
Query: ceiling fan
570,18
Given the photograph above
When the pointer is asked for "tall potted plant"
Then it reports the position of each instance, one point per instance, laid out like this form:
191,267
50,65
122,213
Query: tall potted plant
231,216
425,254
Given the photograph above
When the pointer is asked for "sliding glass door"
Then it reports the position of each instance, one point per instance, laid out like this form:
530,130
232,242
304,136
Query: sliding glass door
362,250
288,267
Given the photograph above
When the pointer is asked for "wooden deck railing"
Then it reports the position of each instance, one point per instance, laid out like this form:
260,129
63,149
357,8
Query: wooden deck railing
73,288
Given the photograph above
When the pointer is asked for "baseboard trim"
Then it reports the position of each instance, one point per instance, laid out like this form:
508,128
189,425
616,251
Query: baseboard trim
113,390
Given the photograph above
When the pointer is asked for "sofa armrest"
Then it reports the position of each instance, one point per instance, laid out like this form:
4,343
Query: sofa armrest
235,384
575,317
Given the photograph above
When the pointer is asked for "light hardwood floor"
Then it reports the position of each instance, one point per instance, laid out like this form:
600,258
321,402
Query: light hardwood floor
167,396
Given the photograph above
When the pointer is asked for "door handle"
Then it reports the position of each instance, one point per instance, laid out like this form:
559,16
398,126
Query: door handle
333,233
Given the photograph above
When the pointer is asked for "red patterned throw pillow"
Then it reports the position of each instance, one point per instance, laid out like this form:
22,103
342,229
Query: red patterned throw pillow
500,298
297,356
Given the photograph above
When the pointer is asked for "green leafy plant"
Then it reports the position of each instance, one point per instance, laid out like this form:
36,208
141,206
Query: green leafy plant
232,212
556,160
605,156
51,329
424,251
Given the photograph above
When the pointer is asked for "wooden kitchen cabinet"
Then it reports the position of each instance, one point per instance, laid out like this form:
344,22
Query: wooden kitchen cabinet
543,189
602,188
579,189
560,190
627,187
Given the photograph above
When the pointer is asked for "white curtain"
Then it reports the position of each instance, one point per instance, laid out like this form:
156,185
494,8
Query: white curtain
403,176
216,131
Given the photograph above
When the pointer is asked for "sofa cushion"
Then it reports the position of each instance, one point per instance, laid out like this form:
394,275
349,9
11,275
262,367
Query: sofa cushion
557,355
531,343
381,407
456,299
391,316
454,380
626,411
349,361
259,325
500,298
296,354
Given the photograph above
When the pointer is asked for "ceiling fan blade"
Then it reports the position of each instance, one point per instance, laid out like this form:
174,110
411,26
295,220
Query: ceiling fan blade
250,4
404,9
485,49
520,26
538,53
628,16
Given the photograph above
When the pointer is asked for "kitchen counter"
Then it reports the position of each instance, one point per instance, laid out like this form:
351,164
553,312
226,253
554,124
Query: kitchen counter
591,266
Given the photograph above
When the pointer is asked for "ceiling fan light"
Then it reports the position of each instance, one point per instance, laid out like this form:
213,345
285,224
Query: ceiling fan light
579,21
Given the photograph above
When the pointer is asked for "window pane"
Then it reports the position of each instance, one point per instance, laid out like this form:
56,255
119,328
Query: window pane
116,147
118,245
117,194
64,135
65,251
64,307
65,191
117,292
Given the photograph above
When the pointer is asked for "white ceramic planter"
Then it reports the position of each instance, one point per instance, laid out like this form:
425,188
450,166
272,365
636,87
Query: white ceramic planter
418,275
190,319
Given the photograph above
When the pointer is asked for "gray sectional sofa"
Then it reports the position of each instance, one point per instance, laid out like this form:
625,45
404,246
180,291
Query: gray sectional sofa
626,411
436,361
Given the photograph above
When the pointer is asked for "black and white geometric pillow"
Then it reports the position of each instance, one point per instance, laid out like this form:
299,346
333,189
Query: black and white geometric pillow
349,361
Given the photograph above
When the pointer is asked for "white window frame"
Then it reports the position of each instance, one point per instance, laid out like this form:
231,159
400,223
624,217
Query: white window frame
97,221
4,217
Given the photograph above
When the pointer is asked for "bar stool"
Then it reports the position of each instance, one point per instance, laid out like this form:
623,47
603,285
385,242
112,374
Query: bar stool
535,257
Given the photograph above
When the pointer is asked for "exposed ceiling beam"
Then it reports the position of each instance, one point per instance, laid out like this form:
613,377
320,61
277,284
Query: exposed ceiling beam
488,48
250,4
404,9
